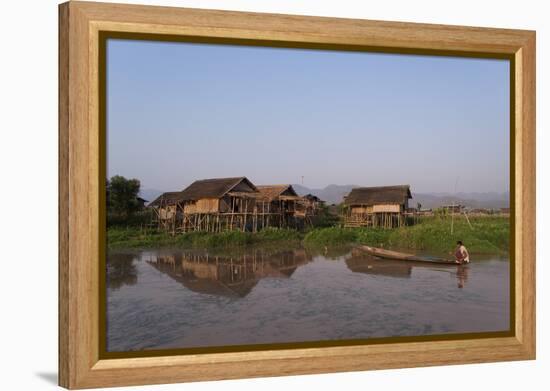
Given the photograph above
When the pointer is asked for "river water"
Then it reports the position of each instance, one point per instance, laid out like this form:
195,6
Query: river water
163,299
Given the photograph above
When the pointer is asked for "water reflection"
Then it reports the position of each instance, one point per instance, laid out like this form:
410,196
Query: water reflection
359,262
462,272
232,276
122,271
237,275
191,298
374,266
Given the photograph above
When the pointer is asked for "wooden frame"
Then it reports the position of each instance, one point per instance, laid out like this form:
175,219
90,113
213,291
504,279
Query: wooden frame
81,167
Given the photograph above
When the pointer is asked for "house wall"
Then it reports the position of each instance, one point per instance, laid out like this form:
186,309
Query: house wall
204,205
361,209
223,205
167,212
386,208
241,205
379,208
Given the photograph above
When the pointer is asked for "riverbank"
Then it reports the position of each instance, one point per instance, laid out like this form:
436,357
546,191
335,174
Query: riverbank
132,237
485,235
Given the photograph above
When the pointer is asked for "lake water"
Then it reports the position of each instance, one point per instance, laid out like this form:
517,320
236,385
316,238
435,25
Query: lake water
165,299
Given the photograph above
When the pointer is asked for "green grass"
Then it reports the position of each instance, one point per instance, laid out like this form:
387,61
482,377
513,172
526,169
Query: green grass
131,237
332,236
487,235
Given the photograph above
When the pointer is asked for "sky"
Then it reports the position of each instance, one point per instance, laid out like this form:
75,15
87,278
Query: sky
178,112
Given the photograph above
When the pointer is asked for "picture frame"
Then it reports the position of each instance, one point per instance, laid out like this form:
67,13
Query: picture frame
83,28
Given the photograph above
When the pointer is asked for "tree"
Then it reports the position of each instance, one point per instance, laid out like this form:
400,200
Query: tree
122,196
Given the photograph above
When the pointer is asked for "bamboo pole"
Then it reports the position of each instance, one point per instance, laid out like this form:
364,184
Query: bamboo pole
232,212
245,214
468,220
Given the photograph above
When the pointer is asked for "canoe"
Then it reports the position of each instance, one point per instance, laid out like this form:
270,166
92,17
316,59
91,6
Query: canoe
399,256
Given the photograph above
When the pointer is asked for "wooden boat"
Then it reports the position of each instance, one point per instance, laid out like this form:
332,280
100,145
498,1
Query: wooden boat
399,256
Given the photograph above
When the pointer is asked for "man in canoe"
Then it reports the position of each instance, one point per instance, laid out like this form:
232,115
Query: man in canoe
461,253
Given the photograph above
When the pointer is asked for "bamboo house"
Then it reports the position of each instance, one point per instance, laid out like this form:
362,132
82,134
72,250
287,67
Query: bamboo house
225,204
384,206
280,205
167,209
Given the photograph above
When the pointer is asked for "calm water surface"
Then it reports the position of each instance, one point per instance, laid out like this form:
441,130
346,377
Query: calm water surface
159,299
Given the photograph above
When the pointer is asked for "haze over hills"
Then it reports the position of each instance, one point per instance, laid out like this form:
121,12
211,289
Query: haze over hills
334,194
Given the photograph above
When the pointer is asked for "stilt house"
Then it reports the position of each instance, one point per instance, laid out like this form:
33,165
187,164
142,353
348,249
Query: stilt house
377,206
167,209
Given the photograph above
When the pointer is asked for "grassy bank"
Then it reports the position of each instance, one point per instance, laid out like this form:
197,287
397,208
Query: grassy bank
487,235
131,237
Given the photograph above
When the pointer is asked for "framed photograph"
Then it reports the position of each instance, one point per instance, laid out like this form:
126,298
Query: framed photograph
246,195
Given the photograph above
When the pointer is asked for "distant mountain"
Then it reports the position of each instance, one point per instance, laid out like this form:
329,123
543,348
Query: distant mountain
334,194
472,200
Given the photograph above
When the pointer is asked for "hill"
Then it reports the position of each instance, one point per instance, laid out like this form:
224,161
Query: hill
334,194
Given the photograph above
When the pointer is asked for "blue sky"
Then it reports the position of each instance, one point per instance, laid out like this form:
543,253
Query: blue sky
177,112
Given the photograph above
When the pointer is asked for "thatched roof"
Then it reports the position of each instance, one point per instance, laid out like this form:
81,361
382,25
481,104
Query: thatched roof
205,188
378,195
311,197
215,188
271,192
168,198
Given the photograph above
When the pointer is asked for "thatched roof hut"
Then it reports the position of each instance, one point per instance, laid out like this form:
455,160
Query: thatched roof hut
206,195
369,196
312,198
166,199
382,206
274,192
219,195
217,188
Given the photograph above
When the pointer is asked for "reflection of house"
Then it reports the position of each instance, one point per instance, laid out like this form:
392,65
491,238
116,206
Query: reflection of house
220,204
233,276
377,206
